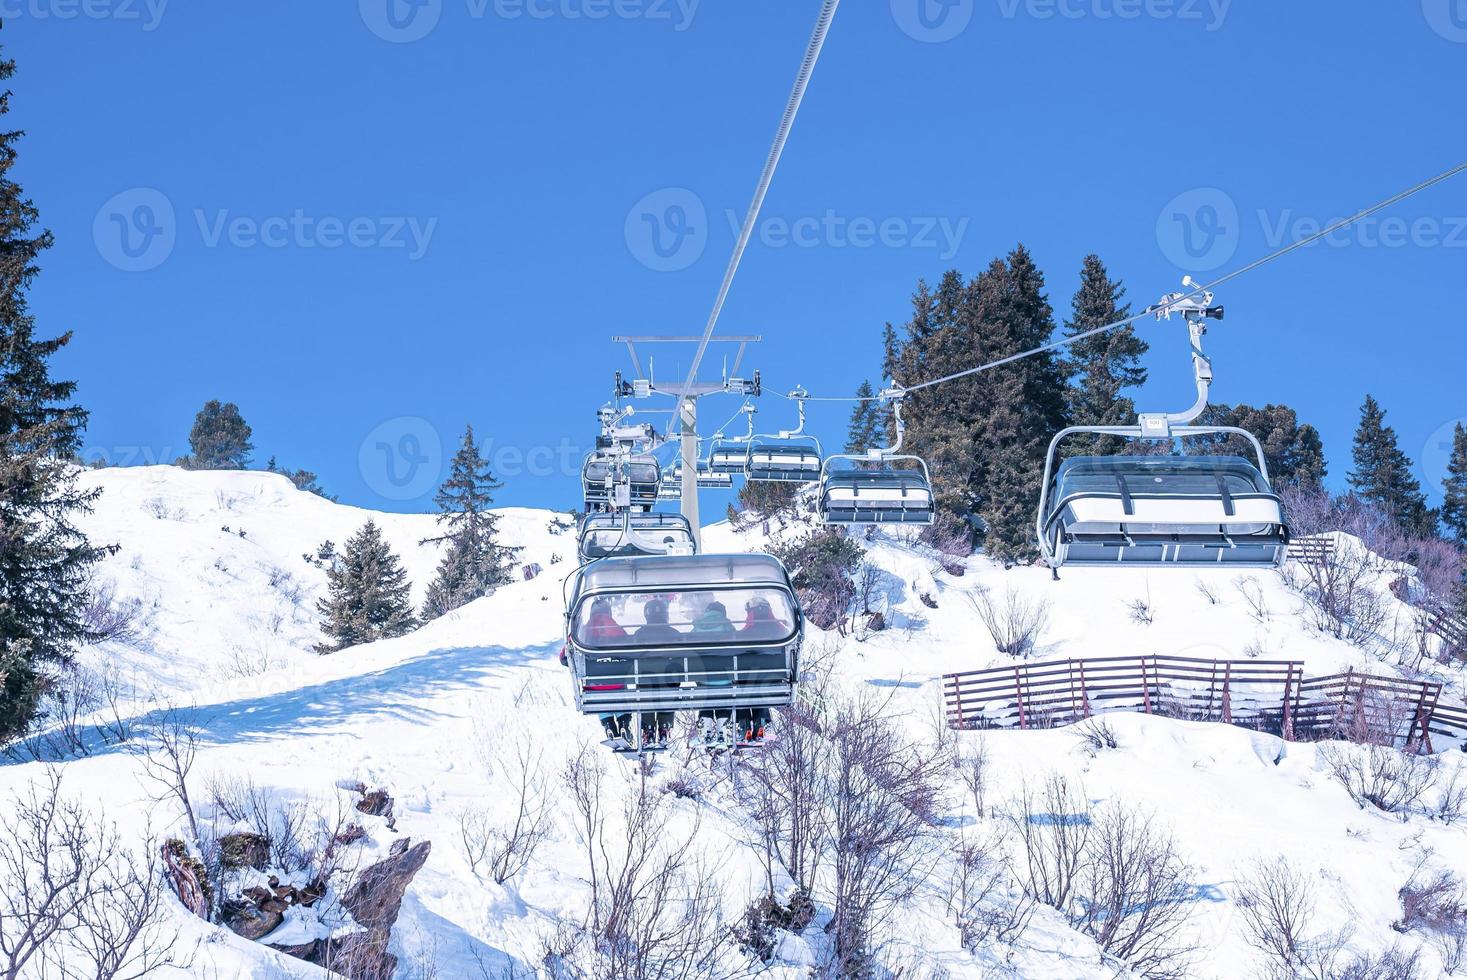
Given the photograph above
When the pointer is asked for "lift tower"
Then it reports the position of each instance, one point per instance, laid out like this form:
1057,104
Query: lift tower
685,427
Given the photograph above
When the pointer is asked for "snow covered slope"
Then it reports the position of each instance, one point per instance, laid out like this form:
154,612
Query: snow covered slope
439,717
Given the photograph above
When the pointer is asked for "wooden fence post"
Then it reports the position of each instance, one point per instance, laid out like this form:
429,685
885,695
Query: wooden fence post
1019,695
1084,692
1145,687
1227,694
957,699
1288,729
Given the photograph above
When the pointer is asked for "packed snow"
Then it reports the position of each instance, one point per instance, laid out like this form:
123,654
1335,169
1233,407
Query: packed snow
218,568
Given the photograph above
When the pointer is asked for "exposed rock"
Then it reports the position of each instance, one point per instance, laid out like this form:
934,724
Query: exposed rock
244,850
349,835
257,894
377,803
246,919
189,877
375,899
358,956
876,622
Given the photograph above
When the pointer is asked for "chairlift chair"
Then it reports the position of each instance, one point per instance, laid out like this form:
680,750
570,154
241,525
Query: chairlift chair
787,457
614,481
648,636
880,486
730,455
1176,510
709,480
619,535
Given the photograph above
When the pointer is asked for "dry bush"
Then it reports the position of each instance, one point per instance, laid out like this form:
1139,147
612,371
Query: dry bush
286,825
1096,736
108,618
656,908
973,763
1208,591
1277,905
1254,599
169,746
1341,597
1433,902
1115,875
77,903
1451,801
504,849
1016,622
783,794
1379,775
985,907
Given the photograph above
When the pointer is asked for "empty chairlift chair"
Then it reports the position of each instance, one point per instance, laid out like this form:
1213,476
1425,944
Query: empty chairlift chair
881,486
709,480
626,534
1167,510
730,455
716,634
789,457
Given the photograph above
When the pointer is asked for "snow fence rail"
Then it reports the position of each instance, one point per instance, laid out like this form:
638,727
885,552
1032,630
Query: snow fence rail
1266,695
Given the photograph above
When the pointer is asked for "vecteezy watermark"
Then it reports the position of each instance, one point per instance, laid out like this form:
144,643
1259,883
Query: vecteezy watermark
667,230
402,458
1199,230
1209,13
98,457
147,13
402,21
932,21
511,462
1436,455
302,230
834,230
1447,17
137,230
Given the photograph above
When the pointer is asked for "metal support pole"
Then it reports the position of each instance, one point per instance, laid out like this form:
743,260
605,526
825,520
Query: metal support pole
689,436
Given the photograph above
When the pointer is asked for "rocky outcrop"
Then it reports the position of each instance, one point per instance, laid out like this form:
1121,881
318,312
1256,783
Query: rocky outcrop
189,878
244,850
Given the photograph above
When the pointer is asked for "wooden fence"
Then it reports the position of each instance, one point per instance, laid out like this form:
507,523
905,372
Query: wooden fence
1312,549
1270,695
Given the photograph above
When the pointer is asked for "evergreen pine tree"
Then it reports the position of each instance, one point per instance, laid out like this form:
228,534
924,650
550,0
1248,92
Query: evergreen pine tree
474,563
1023,405
1294,452
882,421
865,421
44,559
1382,474
1098,368
1454,487
368,595
219,439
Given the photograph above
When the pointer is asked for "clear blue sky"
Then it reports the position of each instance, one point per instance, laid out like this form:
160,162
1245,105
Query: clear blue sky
369,226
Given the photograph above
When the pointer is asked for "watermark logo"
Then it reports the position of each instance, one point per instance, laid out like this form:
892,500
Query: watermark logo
1212,14
932,21
1199,230
306,231
148,13
1447,17
667,230
401,458
136,229
401,21
834,230
1437,454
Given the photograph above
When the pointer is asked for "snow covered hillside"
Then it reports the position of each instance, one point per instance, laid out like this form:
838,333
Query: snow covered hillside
455,718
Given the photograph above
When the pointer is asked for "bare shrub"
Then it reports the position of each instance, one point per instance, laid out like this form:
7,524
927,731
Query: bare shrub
1140,609
1053,824
167,752
1016,622
1208,591
1096,735
1393,964
285,824
883,792
1379,775
784,797
1340,590
1277,905
1135,894
973,765
504,849
1433,902
984,906
78,903
108,618
655,906
1253,599
1451,801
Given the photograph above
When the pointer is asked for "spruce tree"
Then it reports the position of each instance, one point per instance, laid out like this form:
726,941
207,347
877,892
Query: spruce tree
219,439
1454,488
44,559
1294,452
1382,474
368,595
861,435
474,563
1098,368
